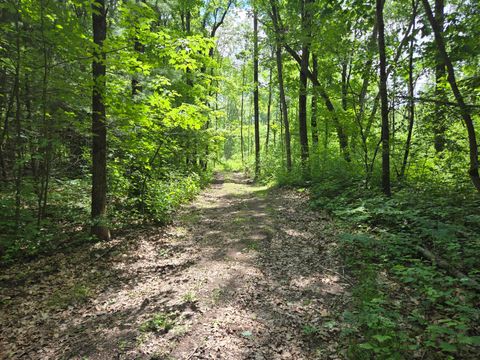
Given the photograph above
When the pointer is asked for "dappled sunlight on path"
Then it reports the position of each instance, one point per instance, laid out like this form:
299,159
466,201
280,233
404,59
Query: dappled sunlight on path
244,272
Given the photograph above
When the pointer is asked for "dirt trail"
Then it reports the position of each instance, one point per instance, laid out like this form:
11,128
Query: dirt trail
244,272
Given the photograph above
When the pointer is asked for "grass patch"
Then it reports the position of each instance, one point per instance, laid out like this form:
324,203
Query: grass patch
159,323
189,297
253,246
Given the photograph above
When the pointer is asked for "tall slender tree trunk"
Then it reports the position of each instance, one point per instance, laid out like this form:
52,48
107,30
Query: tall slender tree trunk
255,95
99,128
274,130
282,143
302,108
342,135
283,101
464,110
411,102
3,105
313,116
344,85
283,106
241,117
302,96
188,21
5,131
33,139
18,166
269,108
139,48
46,124
326,139
249,129
439,126
384,100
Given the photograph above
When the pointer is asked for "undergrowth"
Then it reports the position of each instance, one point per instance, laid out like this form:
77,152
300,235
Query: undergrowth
404,306
67,218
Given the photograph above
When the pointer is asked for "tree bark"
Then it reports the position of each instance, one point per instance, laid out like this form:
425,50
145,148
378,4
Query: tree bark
344,85
18,166
241,117
342,135
313,116
302,109
302,95
255,95
439,126
269,108
411,102
283,106
139,48
281,88
384,100
46,129
99,129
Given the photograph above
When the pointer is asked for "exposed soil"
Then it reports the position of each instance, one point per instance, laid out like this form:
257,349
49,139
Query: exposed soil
244,272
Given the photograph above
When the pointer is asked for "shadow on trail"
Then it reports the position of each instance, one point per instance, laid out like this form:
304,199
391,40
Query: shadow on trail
299,297
216,242
272,263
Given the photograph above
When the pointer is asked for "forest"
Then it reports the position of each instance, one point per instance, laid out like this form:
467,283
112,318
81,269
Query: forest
239,179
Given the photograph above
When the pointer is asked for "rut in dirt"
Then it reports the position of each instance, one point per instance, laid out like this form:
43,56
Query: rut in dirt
244,272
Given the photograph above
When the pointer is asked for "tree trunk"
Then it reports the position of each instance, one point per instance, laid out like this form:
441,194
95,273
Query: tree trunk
411,102
439,126
344,85
255,95
139,48
241,117
464,110
283,101
342,135
99,129
46,128
384,100
302,109
269,107
18,127
313,116
283,106
136,86
302,96
274,130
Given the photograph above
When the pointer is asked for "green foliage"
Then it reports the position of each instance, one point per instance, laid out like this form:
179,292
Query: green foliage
310,330
68,212
161,142
159,323
69,208
163,197
404,304
189,297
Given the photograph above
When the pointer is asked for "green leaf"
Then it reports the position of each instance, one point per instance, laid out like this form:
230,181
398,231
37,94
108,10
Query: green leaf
382,338
367,346
445,346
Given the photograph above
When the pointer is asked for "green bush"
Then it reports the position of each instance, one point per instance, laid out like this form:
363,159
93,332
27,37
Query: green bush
163,197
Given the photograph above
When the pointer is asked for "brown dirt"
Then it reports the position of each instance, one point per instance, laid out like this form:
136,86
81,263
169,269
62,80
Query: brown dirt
244,272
